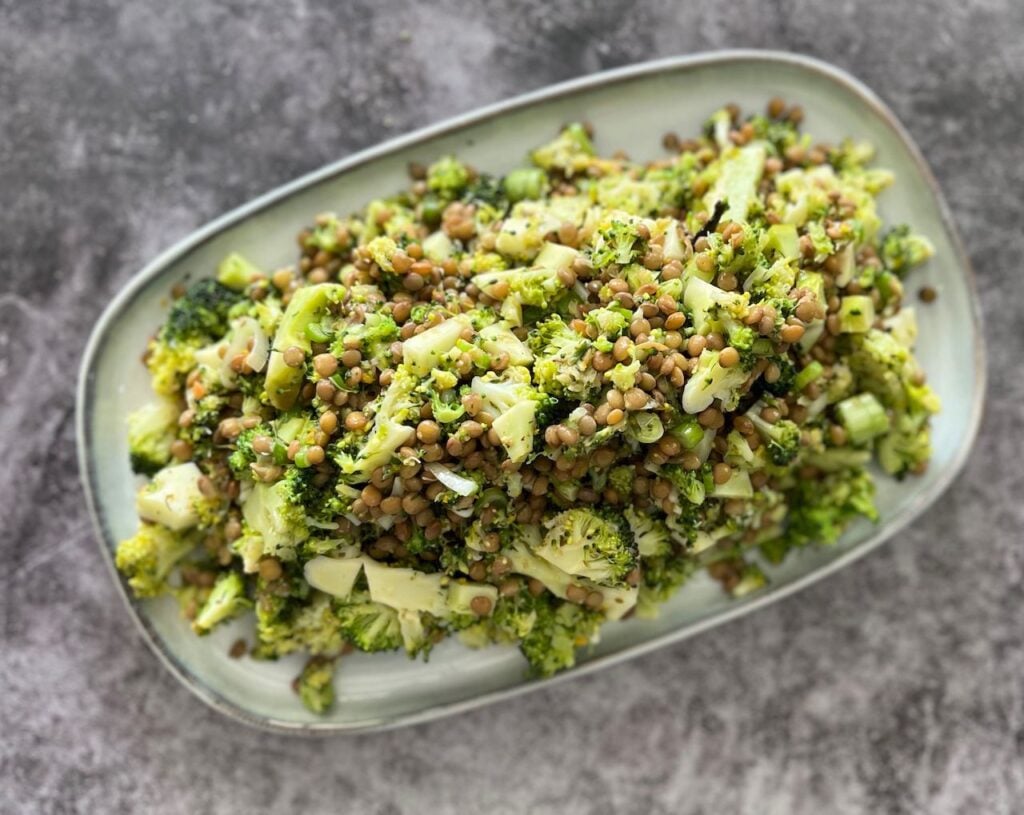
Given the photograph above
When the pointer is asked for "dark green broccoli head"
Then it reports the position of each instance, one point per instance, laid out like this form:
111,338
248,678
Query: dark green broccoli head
201,314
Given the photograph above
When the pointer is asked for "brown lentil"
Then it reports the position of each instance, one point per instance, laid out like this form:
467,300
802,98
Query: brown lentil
294,357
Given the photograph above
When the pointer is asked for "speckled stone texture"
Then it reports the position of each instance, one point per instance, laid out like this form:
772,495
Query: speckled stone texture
896,686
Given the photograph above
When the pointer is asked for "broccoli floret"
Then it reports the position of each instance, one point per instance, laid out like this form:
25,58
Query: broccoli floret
196,319
907,445
152,430
227,598
901,250
558,630
570,154
375,334
287,624
710,381
316,684
691,485
616,240
785,384
538,285
885,367
370,626
820,509
584,543
147,558
201,314
649,533
751,579
662,576
781,438
561,364
447,177
621,479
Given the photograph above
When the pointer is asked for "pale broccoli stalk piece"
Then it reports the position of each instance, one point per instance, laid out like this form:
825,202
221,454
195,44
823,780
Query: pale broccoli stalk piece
583,543
781,438
650,535
739,174
497,338
712,381
718,126
227,598
173,498
525,183
307,306
422,352
571,153
737,486
269,511
147,558
514,402
152,430
334,576
236,272
856,314
616,600
362,453
560,367
863,417
315,684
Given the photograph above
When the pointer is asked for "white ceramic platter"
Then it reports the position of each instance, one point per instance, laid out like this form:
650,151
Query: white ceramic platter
631,108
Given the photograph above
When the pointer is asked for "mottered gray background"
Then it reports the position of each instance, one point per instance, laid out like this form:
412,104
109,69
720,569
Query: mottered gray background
896,686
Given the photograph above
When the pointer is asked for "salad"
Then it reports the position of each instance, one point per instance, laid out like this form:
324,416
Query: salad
515,408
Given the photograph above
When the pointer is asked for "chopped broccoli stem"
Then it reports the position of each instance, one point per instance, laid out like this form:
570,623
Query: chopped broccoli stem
863,417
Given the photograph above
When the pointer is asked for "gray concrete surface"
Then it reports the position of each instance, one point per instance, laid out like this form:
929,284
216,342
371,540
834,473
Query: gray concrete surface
894,687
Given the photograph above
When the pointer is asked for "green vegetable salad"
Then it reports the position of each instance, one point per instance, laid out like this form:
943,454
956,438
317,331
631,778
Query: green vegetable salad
516,408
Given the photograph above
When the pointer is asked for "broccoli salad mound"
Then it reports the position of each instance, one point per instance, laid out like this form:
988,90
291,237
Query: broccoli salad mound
514,408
